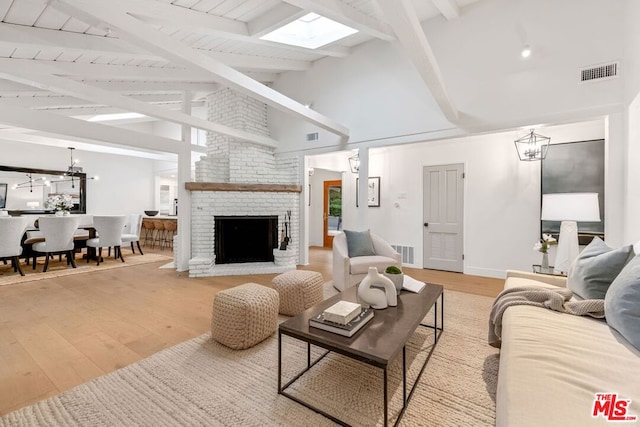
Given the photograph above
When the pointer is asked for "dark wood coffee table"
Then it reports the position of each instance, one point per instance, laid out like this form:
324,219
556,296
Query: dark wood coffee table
376,346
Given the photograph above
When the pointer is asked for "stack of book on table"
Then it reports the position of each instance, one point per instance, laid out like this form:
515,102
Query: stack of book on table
344,318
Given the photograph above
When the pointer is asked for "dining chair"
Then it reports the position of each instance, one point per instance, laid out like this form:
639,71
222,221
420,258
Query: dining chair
132,231
109,231
11,232
58,233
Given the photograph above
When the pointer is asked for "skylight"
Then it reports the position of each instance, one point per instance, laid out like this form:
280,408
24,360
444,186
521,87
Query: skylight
116,116
311,31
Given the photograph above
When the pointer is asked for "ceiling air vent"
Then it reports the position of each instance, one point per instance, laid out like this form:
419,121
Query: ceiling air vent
599,72
312,136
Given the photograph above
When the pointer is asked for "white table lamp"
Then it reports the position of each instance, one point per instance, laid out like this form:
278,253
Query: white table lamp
569,208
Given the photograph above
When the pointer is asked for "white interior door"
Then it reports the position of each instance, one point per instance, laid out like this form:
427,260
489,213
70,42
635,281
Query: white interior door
443,201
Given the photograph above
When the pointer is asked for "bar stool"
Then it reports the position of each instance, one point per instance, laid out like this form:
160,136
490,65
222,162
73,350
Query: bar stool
158,238
170,228
147,228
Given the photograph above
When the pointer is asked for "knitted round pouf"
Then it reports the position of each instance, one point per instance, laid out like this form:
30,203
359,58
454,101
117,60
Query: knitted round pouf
244,316
298,290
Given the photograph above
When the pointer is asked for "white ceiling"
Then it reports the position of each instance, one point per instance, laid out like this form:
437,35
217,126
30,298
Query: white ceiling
85,57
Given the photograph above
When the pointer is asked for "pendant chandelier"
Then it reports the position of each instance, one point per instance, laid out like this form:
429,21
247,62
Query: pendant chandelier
532,146
73,174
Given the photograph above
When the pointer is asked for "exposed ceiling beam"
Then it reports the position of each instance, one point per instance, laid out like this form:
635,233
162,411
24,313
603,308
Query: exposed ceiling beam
262,77
16,36
100,96
402,17
97,11
16,135
448,8
169,15
111,72
67,127
69,101
237,60
274,18
347,15
198,90
128,87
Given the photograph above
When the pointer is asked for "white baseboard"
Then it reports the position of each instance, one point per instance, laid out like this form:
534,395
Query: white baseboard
486,272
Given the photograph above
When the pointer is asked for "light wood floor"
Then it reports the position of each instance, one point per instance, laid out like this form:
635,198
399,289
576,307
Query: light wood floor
61,332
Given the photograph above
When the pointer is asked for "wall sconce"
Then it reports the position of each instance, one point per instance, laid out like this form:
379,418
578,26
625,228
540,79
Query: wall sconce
354,163
532,146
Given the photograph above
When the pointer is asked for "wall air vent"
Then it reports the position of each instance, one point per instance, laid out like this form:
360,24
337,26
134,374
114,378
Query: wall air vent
312,136
406,252
599,72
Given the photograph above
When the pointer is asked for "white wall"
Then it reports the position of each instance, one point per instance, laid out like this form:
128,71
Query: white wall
125,184
489,81
374,91
502,195
316,209
378,94
632,121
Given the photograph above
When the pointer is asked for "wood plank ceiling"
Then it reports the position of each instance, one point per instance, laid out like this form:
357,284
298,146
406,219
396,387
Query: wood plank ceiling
85,57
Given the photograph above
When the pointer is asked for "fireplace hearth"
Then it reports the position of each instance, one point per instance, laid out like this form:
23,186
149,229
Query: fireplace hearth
242,239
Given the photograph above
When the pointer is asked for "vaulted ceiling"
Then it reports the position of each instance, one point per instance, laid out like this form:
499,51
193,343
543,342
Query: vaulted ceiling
62,61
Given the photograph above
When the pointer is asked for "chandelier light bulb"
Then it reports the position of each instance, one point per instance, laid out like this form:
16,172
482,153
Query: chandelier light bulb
526,52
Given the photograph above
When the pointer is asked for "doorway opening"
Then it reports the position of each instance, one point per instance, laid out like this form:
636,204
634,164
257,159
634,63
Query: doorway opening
332,214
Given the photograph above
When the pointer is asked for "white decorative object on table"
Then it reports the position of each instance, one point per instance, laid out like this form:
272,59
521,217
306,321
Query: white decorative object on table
377,291
342,312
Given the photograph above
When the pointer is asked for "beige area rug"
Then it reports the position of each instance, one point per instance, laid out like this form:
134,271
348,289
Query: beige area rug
60,268
200,382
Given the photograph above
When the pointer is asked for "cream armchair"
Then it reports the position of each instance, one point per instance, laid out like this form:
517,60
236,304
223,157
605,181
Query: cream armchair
350,271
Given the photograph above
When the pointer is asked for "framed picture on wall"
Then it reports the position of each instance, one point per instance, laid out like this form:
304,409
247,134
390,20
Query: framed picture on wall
373,191
575,167
3,196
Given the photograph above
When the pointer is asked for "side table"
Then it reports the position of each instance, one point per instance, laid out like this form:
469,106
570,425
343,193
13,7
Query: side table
537,268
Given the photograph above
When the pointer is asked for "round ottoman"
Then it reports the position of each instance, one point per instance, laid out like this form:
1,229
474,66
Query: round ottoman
244,316
298,290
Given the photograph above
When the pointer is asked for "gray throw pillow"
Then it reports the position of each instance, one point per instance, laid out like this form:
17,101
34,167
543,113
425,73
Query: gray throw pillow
622,303
595,268
359,243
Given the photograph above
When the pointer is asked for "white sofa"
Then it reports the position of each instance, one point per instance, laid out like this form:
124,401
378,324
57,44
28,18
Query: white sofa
552,364
350,271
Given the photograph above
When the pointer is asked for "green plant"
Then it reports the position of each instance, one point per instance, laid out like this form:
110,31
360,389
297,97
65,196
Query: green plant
392,269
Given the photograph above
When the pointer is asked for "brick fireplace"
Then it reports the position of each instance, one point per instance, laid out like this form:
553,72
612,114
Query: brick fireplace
240,179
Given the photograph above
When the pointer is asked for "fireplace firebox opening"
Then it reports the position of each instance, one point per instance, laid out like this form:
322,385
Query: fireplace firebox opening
240,239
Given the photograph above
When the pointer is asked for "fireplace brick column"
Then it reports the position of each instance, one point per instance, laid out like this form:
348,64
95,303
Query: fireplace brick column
232,161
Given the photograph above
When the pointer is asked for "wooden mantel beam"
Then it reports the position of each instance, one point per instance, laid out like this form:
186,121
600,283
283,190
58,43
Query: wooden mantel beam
227,186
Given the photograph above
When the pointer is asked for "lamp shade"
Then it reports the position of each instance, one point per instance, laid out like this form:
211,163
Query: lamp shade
570,207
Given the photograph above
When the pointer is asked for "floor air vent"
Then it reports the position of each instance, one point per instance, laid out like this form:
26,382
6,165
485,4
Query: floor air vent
406,252
606,71
312,136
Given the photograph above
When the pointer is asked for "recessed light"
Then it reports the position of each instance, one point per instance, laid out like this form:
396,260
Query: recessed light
526,52
311,31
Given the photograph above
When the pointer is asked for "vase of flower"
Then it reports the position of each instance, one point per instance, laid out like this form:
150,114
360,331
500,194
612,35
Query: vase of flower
60,203
543,246
545,261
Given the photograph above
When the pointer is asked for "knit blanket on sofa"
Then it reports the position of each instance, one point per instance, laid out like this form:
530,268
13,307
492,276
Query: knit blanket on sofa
556,299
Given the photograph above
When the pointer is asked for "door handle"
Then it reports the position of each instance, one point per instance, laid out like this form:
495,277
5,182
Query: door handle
426,224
